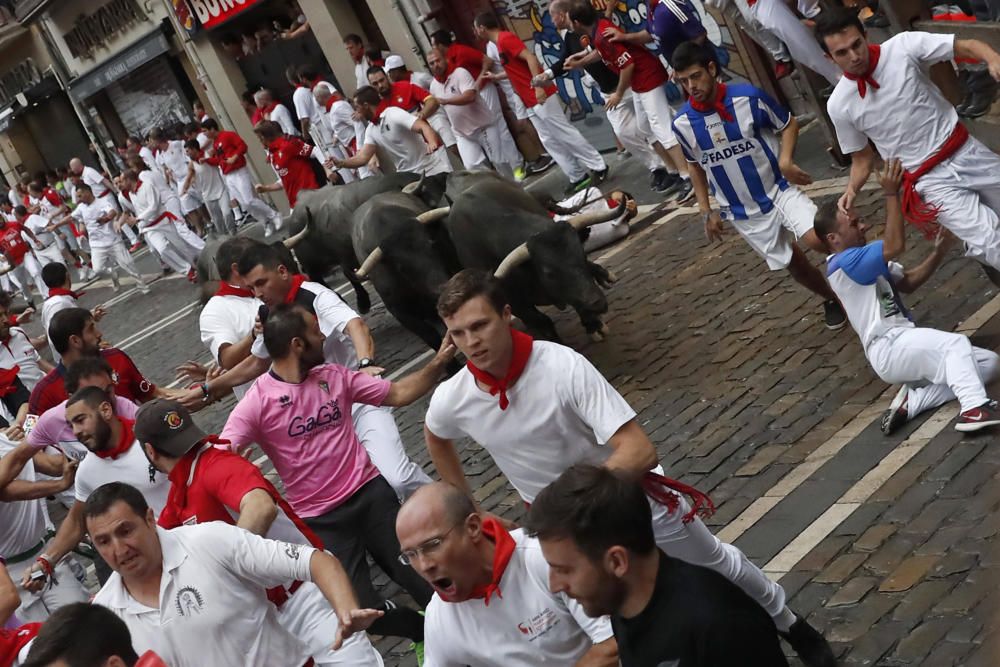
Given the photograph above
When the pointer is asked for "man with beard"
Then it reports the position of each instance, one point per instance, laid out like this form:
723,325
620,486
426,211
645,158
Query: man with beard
492,606
114,456
300,415
595,531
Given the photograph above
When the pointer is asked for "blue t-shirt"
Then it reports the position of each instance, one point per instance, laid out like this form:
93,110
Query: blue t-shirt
671,23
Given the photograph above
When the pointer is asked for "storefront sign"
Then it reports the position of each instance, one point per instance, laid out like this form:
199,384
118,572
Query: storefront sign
213,12
185,16
128,60
17,80
94,31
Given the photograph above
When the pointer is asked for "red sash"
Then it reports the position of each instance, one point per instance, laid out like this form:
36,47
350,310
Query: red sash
917,212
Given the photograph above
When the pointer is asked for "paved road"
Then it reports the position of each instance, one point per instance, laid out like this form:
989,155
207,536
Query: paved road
887,544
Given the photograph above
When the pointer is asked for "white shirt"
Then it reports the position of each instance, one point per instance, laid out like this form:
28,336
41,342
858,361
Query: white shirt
101,234
466,119
907,117
203,141
333,314
132,467
406,148
228,320
493,51
305,105
18,351
528,626
95,180
339,122
422,79
15,197
50,307
208,180
38,224
147,155
46,209
22,523
361,73
173,160
154,198
283,117
213,609
562,411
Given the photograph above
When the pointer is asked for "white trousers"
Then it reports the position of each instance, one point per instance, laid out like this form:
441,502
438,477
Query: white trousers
36,607
190,200
376,429
473,150
308,616
170,247
563,142
947,361
776,16
772,234
241,189
49,254
221,215
654,115
104,259
188,235
22,279
623,121
768,40
439,121
966,188
509,152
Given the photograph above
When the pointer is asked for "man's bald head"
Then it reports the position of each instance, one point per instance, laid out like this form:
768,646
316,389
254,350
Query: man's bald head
438,503
76,165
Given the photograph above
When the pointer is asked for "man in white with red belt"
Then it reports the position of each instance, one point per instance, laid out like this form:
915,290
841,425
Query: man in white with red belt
539,407
155,220
951,177
99,184
492,606
172,161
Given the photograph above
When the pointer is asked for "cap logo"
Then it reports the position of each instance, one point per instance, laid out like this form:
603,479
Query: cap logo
173,419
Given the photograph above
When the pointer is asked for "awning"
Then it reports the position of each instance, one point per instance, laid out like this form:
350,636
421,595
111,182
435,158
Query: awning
128,60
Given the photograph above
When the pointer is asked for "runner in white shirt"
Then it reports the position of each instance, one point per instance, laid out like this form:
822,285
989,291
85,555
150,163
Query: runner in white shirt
167,194
933,366
173,162
106,246
208,180
356,49
475,127
410,143
492,606
23,520
49,205
47,249
16,349
951,176
271,109
99,184
338,118
305,78
554,409
196,595
154,220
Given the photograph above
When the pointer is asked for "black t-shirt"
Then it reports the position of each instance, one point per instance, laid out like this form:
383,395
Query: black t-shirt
697,618
607,81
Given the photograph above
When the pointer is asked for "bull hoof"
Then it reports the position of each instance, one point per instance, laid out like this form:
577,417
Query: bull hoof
601,334
612,278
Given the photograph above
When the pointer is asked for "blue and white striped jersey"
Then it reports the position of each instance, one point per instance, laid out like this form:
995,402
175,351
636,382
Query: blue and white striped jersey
739,156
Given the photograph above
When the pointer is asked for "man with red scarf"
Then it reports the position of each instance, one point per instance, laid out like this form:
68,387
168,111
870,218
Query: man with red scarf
289,156
887,97
539,407
492,605
742,143
338,118
273,110
115,456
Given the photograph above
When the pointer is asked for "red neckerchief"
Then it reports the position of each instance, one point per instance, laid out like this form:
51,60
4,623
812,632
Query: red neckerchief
333,99
917,212
378,62
442,78
62,291
518,360
504,549
225,289
177,496
8,377
718,105
124,443
268,109
297,281
318,80
865,80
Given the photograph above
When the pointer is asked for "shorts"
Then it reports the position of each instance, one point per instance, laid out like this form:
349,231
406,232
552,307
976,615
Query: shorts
771,234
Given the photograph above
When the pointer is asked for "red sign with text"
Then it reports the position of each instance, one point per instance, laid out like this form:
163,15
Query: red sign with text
214,12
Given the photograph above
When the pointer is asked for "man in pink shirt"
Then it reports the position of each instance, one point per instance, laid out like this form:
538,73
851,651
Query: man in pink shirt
300,415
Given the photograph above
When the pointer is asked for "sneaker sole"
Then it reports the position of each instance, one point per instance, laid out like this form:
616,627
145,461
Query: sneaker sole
970,427
889,417
836,327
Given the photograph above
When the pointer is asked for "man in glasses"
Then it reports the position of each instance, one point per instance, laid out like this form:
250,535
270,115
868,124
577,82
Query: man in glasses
492,605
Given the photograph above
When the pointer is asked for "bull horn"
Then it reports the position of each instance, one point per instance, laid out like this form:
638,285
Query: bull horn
370,261
293,241
433,215
587,219
415,188
517,256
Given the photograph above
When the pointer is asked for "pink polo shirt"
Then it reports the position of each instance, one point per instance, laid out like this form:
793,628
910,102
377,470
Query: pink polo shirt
307,431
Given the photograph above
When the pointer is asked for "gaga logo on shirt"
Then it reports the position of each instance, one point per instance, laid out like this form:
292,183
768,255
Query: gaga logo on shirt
329,414
189,601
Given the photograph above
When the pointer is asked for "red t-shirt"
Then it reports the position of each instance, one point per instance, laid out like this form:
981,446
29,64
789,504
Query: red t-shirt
15,639
129,383
510,47
290,158
648,73
460,55
226,145
405,95
12,243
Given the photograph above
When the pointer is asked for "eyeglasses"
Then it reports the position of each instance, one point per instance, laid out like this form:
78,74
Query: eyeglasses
430,546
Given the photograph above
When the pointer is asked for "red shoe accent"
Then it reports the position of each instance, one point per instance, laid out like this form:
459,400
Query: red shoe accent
783,69
192,276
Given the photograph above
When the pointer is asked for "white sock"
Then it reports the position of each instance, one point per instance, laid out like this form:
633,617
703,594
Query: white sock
784,620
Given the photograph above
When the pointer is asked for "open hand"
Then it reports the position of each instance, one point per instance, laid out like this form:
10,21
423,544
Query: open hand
891,176
714,228
355,620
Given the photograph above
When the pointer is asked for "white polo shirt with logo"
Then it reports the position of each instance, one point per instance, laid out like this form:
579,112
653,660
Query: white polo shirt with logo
18,350
394,134
529,625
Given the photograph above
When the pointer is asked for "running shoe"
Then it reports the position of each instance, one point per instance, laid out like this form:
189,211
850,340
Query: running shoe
576,186
834,316
669,184
135,247
897,414
987,414
685,191
812,648
598,177
519,174
543,163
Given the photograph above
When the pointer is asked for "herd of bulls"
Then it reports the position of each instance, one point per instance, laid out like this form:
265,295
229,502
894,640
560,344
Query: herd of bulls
408,235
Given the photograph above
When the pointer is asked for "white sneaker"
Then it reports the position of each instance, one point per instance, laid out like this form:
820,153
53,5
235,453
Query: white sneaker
143,287
277,221
268,231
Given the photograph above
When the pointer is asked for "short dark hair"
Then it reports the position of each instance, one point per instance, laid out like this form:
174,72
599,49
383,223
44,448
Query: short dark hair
157,134
130,175
467,285
84,187
67,323
191,127
192,144
374,69
583,13
93,397
20,210
442,37
209,124
308,72
82,635
352,38
106,495
284,323
292,73
596,508
690,54
373,52
825,221
259,254
486,20
366,95
836,19
86,367
230,252
268,129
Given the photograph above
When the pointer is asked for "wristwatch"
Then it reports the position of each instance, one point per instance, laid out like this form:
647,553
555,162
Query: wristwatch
365,362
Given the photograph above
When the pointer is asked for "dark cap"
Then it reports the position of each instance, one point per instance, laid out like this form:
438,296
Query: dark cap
167,425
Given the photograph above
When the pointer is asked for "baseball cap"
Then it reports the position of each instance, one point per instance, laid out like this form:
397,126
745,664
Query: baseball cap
168,426
394,62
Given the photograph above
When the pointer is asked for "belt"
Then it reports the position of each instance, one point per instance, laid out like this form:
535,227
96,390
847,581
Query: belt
917,212
104,194
166,216
30,553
